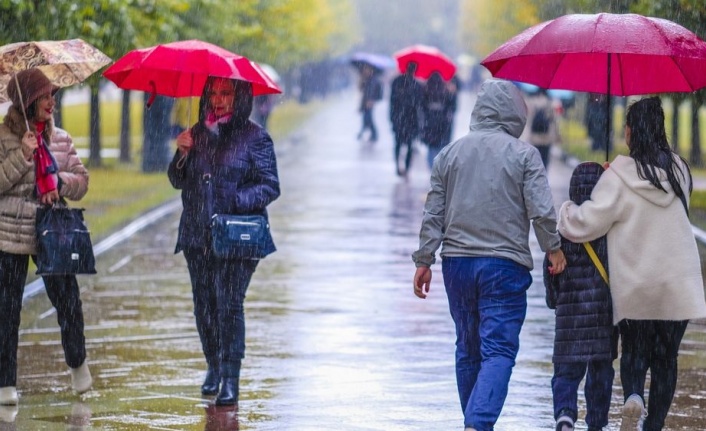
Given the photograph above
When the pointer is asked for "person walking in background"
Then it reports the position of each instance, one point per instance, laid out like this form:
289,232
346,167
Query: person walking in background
262,108
543,127
585,340
371,93
641,204
23,188
224,164
438,107
486,259
405,105
596,121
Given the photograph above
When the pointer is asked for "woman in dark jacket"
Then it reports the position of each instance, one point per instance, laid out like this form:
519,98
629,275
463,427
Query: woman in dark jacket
438,107
225,164
585,340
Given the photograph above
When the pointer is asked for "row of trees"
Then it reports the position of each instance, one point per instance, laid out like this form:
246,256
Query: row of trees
484,31
283,33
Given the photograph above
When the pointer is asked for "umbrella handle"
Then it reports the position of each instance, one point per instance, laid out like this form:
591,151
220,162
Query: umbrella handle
22,103
150,101
182,161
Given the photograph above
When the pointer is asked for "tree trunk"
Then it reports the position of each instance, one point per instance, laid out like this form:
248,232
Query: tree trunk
58,117
94,158
125,129
675,124
156,132
695,156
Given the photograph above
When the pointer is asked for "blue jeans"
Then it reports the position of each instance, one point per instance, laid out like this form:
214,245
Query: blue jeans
219,288
598,390
488,302
432,152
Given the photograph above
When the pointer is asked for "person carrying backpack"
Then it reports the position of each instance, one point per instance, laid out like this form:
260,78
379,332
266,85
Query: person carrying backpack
543,130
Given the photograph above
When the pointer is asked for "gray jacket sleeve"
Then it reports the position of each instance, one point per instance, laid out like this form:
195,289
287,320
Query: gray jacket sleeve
432,230
540,205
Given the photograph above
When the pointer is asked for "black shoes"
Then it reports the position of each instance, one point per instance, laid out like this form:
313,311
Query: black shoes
229,392
210,383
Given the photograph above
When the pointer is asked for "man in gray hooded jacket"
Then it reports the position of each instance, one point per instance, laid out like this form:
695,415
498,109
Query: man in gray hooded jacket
486,188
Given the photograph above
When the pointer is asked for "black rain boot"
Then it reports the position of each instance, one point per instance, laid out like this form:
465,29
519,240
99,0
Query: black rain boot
210,383
229,392
228,395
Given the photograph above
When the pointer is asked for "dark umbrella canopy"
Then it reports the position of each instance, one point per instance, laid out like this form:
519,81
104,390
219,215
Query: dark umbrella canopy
377,62
613,54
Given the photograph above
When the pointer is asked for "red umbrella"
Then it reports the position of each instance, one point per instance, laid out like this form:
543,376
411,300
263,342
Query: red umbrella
613,54
180,69
428,58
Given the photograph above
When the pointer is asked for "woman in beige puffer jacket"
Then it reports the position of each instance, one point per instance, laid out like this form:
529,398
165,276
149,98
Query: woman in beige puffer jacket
19,200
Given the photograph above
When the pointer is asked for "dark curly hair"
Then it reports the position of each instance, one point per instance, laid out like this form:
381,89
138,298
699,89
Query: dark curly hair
649,146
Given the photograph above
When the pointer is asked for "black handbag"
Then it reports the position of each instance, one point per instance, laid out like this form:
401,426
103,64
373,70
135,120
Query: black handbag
63,242
240,236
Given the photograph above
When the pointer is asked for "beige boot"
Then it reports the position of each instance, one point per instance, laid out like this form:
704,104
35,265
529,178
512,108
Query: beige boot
8,415
8,396
81,379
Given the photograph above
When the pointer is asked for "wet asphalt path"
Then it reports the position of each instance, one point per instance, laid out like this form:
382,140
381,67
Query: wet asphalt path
335,338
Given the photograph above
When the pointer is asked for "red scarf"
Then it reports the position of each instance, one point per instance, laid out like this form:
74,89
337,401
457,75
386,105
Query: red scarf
46,168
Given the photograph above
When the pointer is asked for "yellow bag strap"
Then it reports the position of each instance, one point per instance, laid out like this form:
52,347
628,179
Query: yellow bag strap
594,257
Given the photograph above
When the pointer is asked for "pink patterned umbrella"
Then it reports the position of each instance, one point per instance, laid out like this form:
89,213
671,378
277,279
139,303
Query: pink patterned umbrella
64,62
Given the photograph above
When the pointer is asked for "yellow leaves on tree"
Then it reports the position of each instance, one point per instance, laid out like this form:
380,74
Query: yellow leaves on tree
487,24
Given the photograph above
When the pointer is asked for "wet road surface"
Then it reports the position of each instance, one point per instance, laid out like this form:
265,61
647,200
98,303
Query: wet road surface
335,338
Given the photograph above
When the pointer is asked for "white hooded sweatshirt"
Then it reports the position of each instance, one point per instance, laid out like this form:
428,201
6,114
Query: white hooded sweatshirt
654,266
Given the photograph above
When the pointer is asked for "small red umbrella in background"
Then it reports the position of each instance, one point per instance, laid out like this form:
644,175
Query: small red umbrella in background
429,59
613,54
180,69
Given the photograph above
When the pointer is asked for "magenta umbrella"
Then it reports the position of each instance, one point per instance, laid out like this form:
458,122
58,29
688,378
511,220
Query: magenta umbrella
429,59
180,69
613,54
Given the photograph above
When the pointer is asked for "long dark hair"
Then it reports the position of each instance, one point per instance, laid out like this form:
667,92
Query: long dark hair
242,102
649,146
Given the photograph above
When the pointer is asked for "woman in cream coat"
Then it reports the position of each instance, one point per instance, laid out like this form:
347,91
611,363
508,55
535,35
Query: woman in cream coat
641,204
28,125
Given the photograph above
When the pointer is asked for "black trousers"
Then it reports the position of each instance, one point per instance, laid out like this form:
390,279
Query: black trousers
63,292
651,345
405,140
219,287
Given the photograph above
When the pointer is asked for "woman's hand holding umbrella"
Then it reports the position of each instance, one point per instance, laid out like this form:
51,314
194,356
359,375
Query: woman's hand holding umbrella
184,142
29,145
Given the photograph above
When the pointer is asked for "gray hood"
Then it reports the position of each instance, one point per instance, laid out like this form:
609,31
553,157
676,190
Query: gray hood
500,106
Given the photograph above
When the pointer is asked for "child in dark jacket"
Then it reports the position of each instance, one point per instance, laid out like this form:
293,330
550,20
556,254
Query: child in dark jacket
585,340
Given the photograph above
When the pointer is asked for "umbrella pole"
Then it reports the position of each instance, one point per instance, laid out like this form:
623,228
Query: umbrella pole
182,159
608,124
188,108
22,103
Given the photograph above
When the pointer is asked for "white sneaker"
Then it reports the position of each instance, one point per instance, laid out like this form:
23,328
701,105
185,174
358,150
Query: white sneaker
564,423
469,429
81,379
633,413
8,396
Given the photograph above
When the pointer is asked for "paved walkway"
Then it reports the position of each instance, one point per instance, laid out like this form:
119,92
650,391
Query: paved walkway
336,340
